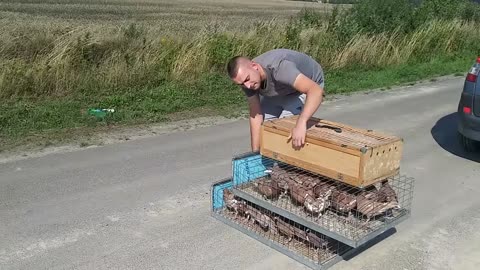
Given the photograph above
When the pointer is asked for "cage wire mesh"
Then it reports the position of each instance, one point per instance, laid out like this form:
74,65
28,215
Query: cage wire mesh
299,242
347,213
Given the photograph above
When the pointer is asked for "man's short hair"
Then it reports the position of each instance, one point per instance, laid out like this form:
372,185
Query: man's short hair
233,64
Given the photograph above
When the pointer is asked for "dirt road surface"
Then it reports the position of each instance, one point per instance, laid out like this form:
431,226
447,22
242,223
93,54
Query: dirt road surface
144,203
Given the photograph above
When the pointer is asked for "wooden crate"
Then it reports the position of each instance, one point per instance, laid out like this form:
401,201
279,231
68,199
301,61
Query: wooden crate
358,157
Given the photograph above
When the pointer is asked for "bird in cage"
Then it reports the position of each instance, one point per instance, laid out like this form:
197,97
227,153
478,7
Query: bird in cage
299,233
284,228
263,220
322,187
298,192
343,201
386,193
316,241
232,204
278,173
306,180
316,206
279,176
269,188
368,206
229,199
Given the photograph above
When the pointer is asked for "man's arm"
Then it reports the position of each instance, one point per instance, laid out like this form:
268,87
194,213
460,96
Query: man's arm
288,73
314,97
314,93
256,119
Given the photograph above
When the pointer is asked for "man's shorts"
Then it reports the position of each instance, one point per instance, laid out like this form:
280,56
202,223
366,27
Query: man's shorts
282,106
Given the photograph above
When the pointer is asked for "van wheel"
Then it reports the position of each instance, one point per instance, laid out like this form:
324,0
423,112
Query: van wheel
468,144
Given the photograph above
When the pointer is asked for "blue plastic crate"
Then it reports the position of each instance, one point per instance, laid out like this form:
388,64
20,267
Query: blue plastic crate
248,167
217,192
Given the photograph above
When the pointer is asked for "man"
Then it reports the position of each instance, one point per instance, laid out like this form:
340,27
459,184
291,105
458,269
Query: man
279,83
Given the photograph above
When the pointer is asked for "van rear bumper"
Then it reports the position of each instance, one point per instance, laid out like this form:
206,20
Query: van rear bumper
469,126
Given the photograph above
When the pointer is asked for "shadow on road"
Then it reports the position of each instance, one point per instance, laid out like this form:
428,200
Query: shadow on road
445,134
369,244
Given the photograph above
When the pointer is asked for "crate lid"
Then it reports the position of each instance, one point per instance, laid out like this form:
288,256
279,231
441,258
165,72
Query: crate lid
335,133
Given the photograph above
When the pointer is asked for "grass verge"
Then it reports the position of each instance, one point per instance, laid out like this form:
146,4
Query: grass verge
351,81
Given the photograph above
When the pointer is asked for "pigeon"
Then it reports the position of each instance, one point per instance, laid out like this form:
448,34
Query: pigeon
316,206
263,220
239,207
343,201
317,242
268,188
284,228
371,208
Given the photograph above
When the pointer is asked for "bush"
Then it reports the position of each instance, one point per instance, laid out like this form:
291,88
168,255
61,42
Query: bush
405,16
377,16
447,10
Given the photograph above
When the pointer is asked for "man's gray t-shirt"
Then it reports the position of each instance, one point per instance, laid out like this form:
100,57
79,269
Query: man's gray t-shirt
282,66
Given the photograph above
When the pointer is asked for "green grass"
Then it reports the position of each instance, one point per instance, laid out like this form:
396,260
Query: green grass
351,81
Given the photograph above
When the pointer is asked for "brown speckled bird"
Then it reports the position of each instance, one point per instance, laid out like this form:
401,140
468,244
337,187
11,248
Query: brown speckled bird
321,188
269,188
263,220
299,233
386,193
317,242
343,201
370,208
229,199
284,228
290,230
239,207
316,206
298,193
306,180
278,173
280,176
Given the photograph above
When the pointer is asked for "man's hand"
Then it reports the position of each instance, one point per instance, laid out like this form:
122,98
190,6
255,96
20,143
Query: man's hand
298,135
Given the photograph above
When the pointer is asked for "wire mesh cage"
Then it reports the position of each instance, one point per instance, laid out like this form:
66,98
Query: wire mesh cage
290,238
349,214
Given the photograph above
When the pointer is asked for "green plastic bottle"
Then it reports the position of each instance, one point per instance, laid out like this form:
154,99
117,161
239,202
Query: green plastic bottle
100,113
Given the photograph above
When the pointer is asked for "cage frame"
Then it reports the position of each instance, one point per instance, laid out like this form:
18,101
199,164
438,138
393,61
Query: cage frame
354,243
227,182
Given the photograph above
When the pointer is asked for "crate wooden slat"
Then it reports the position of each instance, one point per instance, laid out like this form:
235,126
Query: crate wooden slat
356,156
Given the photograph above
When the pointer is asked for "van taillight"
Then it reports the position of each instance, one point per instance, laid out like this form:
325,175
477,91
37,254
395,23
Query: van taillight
473,73
471,77
467,110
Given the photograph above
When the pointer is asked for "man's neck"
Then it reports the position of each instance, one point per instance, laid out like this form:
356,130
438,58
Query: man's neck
263,77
